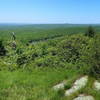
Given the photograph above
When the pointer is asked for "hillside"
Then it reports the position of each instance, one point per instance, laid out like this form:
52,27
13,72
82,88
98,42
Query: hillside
40,58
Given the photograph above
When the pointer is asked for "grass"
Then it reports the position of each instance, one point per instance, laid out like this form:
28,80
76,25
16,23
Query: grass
37,84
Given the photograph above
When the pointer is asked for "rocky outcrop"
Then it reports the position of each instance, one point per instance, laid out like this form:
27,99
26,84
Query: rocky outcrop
97,85
84,97
59,86
80,83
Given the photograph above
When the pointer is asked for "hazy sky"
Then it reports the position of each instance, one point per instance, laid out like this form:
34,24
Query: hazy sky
50,11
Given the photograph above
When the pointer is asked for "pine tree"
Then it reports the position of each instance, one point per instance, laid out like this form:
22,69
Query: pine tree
90,32
2,49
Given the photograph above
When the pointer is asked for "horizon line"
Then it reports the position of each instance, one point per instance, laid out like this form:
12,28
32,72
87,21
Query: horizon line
49,23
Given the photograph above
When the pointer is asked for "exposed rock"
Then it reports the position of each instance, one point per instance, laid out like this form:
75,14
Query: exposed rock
97,85
80,83
84,97
59,86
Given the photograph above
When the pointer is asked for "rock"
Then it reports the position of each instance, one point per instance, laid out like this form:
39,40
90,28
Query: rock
80,83
59,86
84,97
97,85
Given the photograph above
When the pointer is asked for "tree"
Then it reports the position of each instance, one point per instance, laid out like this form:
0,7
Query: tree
95,68
90,32
2,49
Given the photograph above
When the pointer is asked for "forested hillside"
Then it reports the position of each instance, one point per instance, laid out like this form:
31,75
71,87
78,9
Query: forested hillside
33,60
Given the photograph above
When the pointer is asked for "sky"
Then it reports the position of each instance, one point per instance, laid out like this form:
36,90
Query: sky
50,11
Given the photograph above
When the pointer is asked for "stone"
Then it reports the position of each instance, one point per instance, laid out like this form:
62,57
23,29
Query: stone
80,83
84,97
60,86
97,85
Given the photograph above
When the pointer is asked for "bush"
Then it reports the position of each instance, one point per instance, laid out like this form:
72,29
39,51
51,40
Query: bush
2,49
83,52
52,51
71,48
95,63
76,50
22,60
90,32
48,61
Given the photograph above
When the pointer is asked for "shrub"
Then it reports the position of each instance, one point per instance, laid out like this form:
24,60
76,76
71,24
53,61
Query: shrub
90,32
95,63
19,51
22,60
52,51
2,49
71,48
48,61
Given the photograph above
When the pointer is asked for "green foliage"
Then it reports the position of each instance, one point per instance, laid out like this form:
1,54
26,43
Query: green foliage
71,48
51,49
90,32
95,63
37,84
48,61
22,60
82,51
2,49
52,56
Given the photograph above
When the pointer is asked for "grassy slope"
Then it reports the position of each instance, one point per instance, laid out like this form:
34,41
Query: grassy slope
34,85
37,85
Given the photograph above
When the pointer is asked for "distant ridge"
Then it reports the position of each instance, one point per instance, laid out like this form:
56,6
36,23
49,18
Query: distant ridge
42,26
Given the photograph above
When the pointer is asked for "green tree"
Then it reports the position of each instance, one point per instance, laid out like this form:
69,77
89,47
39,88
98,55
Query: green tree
2,49
90,32
95,68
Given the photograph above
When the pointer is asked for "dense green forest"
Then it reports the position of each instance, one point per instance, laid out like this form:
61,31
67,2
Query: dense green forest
42,55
